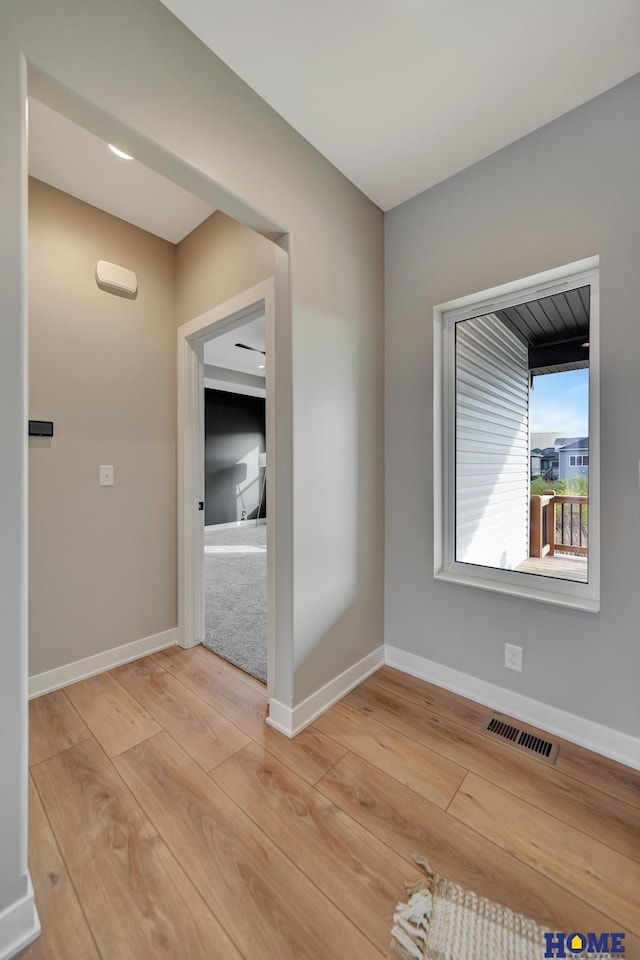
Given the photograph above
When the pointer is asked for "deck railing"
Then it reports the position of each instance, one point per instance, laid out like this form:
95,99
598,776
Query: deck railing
558,524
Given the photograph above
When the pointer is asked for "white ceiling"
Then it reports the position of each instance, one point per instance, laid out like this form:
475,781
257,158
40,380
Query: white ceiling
221,351
400,94
70,158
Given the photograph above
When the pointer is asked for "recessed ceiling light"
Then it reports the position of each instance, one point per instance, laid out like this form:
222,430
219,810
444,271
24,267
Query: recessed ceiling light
261,366
120,153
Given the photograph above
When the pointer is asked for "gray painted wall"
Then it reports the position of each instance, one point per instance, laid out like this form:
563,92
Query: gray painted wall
567,191
13,481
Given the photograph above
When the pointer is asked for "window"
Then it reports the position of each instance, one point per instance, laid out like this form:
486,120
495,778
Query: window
515,511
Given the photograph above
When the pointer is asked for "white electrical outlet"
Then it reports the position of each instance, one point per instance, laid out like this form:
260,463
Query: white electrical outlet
513,657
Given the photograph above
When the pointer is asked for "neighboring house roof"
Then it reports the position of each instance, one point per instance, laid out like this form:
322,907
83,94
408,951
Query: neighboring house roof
543,439
581,444
565,441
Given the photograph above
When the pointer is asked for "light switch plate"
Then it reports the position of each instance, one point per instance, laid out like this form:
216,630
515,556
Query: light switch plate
106,476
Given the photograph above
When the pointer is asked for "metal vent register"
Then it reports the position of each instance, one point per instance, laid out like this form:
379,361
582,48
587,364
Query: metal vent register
522,739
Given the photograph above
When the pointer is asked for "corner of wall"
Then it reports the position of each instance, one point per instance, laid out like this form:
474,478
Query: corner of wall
292,720
19,924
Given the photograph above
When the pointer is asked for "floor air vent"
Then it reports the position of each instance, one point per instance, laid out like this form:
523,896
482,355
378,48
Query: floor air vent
522,739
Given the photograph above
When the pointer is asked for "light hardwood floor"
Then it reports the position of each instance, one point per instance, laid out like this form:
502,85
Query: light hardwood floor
167,821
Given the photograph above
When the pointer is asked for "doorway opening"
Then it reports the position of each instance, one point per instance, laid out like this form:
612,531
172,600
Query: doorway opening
235,515
226,439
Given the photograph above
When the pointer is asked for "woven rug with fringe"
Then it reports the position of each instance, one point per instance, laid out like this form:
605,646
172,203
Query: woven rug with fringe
443,921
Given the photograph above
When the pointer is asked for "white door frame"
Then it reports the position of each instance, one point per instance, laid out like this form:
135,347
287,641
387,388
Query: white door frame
191,338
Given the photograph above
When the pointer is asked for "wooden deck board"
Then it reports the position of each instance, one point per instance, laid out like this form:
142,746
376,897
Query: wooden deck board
561,566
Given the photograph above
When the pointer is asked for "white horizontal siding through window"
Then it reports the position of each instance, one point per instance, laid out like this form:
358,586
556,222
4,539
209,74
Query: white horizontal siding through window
491,444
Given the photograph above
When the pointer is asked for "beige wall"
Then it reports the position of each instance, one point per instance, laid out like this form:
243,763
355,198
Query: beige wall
217,261
102,567
177,107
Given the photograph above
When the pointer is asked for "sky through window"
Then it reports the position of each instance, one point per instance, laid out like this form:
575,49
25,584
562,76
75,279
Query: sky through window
559,404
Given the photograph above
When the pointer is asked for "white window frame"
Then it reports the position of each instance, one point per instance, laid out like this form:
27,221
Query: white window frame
568,593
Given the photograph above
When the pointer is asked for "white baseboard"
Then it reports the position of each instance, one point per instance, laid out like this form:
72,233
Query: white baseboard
291,720
19,924
593,736
81,669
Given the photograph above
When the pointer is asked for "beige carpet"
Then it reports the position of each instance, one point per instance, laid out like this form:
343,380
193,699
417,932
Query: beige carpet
235,593
443,921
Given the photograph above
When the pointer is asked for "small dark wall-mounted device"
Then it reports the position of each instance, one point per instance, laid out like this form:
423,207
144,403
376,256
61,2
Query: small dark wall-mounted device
40,428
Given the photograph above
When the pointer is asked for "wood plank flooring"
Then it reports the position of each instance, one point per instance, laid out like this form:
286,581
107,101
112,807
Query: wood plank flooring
168,821
53,726
116,720
576,803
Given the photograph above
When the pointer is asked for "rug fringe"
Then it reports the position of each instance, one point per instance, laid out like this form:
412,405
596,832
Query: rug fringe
424,863
403,946
411,921
426,883
438,911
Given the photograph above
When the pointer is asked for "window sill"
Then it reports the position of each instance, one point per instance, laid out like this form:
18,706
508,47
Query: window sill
527,586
